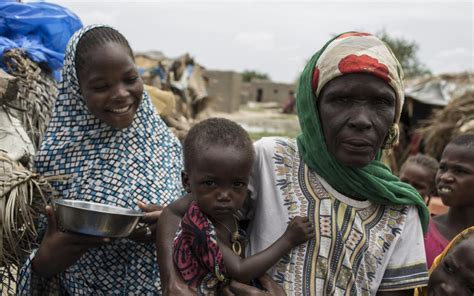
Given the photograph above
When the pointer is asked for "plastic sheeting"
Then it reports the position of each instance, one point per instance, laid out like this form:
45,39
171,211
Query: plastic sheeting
440,90
41,30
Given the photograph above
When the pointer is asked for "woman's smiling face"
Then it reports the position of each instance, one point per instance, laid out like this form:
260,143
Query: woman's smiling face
356,111
111,85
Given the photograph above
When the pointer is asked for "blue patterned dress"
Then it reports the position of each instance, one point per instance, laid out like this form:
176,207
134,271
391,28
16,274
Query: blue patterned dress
111,166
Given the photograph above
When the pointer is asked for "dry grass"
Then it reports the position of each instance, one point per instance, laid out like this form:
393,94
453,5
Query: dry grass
456,118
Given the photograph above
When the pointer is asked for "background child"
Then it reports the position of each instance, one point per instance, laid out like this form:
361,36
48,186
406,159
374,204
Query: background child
420,171
454,181
218,156
452,272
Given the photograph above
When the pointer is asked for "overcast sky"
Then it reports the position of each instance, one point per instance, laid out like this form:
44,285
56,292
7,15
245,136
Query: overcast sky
278,37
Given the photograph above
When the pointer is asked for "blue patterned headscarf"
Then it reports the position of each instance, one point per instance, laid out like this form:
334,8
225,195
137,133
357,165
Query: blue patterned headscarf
108,165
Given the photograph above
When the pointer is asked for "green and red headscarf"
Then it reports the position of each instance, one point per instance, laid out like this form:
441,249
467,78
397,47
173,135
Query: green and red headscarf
353,52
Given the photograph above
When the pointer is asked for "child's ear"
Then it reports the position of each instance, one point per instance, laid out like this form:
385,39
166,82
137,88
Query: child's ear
185,181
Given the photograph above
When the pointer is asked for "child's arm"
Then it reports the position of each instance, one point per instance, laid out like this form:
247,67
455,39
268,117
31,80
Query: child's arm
171,280
246,269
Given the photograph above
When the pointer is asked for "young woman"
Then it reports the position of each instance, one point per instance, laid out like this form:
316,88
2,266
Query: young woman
105,134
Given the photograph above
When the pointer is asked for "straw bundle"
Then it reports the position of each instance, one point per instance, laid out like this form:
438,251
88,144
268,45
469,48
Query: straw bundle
23,196
22,192
456,118
36,94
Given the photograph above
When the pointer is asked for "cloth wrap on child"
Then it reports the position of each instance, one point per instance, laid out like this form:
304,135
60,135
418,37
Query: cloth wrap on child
196,253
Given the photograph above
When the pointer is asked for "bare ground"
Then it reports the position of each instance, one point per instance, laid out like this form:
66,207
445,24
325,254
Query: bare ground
263,119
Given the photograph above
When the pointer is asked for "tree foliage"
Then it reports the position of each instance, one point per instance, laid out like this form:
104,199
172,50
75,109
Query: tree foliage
249,75
405,51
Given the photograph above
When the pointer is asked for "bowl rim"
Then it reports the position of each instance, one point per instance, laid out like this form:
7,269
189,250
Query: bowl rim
63,202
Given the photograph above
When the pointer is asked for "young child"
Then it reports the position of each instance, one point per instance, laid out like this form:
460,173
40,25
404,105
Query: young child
420,171
454,182
452,272
218,157
105,134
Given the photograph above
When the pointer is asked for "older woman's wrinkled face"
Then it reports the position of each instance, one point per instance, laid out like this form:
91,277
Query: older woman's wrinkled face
356,111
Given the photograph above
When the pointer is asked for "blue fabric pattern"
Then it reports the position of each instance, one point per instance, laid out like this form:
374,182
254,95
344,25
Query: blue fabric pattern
111,166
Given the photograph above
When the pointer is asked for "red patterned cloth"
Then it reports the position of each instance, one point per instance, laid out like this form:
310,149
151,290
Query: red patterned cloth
196,253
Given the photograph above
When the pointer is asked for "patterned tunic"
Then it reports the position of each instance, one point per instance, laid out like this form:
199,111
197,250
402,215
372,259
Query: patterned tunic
110,166
360,247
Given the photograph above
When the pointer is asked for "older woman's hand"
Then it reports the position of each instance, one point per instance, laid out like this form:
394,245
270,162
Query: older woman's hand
59,250
271,287
146,234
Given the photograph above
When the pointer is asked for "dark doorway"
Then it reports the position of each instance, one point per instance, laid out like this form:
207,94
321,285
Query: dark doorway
259,95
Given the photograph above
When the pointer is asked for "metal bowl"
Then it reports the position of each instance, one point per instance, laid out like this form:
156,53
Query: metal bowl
96,219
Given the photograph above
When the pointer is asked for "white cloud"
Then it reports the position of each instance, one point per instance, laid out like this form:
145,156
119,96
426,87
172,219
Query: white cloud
259,41
110,17
452,60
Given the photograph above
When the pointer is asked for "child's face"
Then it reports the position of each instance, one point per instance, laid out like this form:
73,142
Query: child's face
418,177
110,84
218,180
455,274
455,177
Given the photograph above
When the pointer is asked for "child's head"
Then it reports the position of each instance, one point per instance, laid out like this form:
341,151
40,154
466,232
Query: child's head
420,171
455,177
218,158
109,80
454,274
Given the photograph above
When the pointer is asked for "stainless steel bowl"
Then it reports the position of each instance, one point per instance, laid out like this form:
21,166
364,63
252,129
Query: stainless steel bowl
96,219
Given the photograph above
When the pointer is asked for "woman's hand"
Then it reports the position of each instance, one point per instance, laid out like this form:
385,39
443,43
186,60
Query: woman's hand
271,287
59,250
179,288
147,233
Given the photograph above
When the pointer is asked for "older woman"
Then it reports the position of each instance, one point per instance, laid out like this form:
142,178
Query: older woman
369,225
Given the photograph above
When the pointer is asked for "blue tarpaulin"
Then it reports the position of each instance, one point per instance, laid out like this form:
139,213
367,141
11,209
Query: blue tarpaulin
41,30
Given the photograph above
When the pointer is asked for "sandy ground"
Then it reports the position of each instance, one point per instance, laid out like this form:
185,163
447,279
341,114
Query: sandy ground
263,119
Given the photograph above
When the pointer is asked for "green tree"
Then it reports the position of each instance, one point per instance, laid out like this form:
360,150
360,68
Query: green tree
249,75
405,51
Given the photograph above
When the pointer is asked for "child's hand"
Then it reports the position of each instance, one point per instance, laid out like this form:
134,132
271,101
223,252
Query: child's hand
299,231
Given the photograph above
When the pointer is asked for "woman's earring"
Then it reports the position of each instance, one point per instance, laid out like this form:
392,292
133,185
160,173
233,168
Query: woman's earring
392,138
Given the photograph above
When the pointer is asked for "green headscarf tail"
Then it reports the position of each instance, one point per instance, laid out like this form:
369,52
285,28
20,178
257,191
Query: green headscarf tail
374,182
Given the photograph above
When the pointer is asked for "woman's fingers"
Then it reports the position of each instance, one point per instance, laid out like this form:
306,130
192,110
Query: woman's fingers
81,242
271,286
244,290
151,217
149,207
52,224
152,212
144,234
227,292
